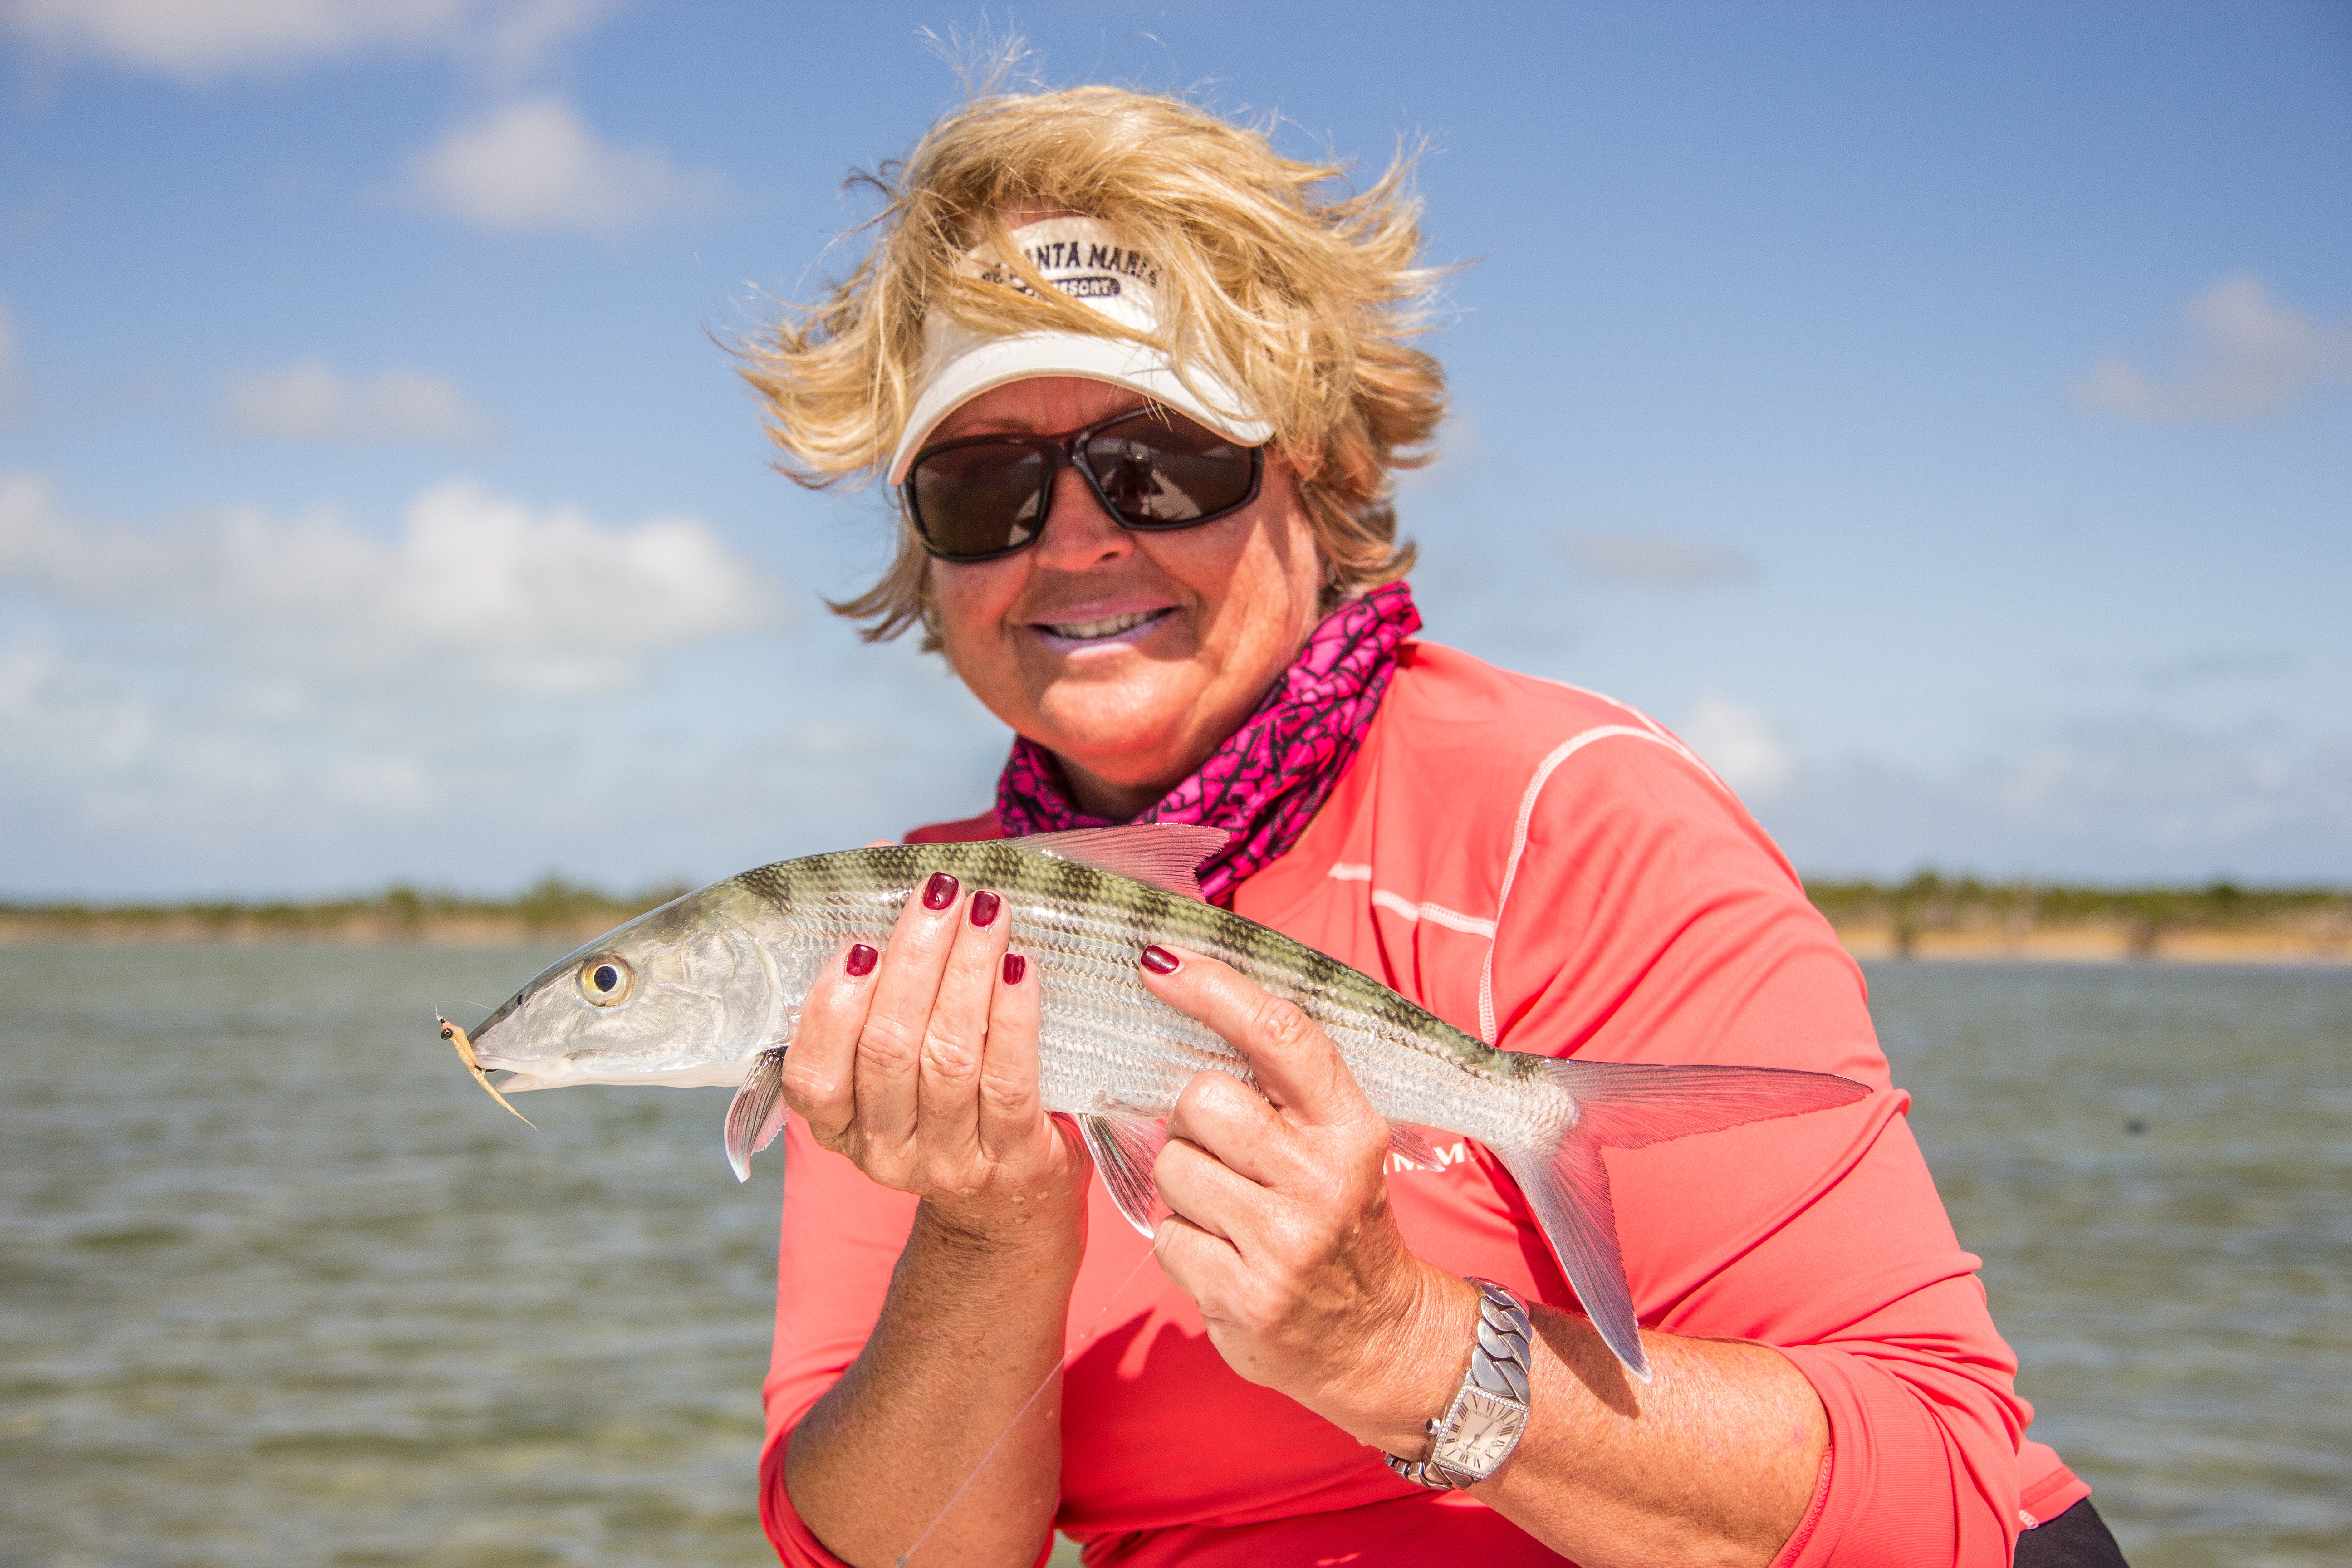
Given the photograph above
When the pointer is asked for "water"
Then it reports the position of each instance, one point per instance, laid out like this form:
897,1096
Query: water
2181,1297
278,1285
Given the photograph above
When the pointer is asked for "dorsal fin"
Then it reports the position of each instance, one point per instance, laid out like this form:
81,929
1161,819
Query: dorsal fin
1162,855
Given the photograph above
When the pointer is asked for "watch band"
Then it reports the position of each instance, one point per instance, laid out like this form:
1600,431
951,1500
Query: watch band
1489,1413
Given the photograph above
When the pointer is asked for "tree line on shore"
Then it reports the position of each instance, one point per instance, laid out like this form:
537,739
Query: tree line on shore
553,906
1932,902
548,907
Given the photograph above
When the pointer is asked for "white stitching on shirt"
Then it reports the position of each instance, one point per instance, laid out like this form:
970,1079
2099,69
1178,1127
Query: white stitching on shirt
1660,730
1435,914
1398,904
1558,756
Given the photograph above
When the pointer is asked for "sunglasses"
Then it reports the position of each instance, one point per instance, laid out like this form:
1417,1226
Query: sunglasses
1152,470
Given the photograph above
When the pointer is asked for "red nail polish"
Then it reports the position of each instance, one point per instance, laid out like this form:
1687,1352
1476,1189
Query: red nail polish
939,892
1159,961
983,909
1015,966
861,959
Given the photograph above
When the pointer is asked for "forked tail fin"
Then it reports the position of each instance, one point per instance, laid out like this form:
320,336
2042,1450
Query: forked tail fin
1625,1105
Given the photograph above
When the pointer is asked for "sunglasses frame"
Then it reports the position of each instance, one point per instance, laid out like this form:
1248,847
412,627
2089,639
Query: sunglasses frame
1061,452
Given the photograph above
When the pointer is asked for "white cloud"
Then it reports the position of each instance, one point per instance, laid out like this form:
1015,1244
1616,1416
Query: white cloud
312,401
539,602
257,704
1740,744
2248,356
2114,799
204,40
534,165
1653,560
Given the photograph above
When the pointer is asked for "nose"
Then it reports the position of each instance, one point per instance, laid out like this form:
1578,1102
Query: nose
1078,533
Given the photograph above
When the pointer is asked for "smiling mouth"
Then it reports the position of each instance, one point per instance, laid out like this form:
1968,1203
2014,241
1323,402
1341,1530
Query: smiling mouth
1109,626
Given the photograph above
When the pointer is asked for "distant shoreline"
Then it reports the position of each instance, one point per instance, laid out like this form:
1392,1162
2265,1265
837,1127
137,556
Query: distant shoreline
1932,918
552,911
2098,944
1929,919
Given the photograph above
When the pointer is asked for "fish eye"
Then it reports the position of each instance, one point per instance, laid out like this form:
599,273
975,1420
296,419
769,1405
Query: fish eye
608,981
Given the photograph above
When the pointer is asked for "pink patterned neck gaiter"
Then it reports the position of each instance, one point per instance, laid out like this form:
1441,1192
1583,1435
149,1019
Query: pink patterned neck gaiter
1266,783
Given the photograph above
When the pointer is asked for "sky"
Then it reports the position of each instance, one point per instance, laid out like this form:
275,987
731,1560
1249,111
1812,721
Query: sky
1939,414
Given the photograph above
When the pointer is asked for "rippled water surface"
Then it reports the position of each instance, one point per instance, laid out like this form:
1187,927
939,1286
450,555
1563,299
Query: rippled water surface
2180,1295
280,1286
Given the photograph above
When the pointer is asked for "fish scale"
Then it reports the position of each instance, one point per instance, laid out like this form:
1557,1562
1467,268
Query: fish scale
1112,1048
706,991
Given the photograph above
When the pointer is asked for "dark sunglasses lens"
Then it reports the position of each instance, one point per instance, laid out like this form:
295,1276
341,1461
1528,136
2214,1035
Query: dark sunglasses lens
1161,470
979,500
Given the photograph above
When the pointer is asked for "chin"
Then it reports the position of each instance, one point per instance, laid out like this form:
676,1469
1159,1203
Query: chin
1113,729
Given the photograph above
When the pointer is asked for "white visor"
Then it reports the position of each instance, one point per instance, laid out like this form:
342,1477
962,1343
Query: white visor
1080,256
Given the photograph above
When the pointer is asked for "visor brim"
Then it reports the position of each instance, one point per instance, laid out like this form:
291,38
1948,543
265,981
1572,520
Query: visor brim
994,361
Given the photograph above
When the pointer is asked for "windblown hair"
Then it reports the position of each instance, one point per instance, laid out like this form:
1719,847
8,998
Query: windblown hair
1297,291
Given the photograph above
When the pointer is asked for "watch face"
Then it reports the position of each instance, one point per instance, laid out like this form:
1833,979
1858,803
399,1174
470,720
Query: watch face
1485,1430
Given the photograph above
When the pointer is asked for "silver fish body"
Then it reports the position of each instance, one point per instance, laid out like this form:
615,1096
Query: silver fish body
706,991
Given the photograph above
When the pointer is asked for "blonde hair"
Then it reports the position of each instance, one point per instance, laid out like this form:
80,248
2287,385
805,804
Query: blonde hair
1298,293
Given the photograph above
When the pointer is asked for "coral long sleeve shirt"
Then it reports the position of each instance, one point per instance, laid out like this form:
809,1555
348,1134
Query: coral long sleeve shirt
1553,873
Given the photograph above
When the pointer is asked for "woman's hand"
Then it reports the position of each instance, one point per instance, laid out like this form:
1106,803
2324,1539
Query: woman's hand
1282,1230
920,1063
1282,1233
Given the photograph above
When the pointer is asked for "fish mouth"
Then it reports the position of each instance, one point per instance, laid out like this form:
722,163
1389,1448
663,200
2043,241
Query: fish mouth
457,1037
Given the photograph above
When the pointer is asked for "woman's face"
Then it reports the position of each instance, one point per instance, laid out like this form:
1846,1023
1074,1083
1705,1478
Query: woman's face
1128,655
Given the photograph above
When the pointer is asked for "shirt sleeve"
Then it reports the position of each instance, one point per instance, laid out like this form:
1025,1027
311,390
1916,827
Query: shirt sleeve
841,1238
1649,918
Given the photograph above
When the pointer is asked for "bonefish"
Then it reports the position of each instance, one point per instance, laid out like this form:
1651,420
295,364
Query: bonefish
706,991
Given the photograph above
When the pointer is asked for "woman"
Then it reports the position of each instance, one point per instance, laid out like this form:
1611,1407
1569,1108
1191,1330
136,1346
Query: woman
1143,384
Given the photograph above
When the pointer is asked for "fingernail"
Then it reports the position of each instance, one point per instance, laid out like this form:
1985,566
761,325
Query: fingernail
984,909
861,959
1015,966
939,892
1159,961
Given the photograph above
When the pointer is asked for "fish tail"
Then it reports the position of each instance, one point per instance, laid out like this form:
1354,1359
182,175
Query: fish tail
1625,1105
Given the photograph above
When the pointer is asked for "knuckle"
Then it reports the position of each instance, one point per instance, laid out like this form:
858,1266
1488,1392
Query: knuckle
950,1053
1291,1236
1256,1305
807,1085
1279,1023
889,1044
1198,1099
1001,1085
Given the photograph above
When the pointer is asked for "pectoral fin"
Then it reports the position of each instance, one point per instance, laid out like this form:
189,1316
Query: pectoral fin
1412,1146
1124,1148
756,1114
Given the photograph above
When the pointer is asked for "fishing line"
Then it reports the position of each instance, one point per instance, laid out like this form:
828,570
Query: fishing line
1059,1367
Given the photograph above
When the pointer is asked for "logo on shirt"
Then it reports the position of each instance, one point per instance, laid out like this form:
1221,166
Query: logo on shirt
1459,1154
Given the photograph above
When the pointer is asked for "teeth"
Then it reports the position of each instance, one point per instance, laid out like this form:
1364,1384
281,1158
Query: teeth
1081,630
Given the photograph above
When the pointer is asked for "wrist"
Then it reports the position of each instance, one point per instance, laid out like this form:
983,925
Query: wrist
1412,1369
1488,1414
1034,1223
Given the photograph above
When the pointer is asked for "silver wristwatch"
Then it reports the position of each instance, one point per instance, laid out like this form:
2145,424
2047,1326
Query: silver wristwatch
1489,1415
